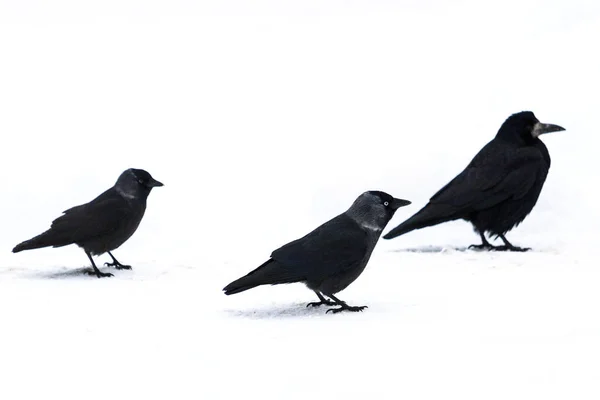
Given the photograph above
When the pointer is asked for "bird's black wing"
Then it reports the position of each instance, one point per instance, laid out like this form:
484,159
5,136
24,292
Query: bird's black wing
102,216
105,196
333,247
337,245
488,181
499,172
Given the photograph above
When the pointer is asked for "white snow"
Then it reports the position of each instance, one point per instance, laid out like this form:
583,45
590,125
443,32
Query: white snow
265,119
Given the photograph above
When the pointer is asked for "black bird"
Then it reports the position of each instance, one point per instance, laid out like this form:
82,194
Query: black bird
499,187
332,256
104,223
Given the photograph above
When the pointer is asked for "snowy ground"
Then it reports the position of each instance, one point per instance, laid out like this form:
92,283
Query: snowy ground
440,324
264,121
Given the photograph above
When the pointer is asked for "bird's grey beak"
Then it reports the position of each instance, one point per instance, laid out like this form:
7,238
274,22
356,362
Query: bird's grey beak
397,203
541,128
154,183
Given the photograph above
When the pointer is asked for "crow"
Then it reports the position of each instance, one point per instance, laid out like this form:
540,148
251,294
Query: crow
498,188
104,223
332,256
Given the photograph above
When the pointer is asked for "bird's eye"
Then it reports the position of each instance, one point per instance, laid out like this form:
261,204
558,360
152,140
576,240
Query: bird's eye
141,182
386,203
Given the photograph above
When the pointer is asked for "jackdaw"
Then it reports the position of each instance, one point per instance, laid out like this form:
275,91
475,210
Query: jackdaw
104,223
498,189
332,256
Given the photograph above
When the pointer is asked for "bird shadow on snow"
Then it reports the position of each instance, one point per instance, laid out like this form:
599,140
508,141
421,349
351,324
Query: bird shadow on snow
66,273
434,249
452,249
293,310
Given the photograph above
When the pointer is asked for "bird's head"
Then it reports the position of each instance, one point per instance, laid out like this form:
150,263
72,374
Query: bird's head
136,183
374,209
525,128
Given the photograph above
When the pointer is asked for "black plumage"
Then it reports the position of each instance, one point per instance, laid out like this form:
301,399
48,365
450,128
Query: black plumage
332,256
103,224
498,188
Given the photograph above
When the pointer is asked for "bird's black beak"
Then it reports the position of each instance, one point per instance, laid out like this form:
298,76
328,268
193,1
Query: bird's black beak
541,128
154,183
397,203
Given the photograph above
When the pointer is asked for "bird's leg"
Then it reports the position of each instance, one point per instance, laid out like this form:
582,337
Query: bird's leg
115,263
96,271
485,245
343,306
509,247
323,301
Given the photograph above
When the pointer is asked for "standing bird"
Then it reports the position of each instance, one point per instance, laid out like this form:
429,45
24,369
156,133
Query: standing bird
104,223
498,189
332,256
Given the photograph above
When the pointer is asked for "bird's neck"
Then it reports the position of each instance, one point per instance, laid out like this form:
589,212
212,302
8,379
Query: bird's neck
517,138
365,219
131,193
371,227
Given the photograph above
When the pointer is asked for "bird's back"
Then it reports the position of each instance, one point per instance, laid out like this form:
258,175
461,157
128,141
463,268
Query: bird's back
98,226
106,224
500,173
526,181
330,256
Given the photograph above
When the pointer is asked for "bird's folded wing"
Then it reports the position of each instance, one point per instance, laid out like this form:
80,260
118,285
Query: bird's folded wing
333,247
91,220
484,185
106,195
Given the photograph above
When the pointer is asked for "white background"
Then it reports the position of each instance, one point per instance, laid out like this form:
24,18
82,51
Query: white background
265,119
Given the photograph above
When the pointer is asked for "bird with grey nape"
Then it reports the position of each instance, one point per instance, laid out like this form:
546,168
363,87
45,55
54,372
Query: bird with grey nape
332,256
498,188
103,224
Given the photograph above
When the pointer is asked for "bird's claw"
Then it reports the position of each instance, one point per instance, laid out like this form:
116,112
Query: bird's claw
117,265
346,308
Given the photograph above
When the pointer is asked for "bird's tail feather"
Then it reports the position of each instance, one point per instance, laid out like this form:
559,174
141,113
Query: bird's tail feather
45,239
428,216
269,273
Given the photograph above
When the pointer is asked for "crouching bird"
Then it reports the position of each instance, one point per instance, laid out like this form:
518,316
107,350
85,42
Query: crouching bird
104,223
332,256
498,188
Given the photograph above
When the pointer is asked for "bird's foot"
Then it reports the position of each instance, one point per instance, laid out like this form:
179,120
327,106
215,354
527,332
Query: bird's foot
100,274
322,303
117,265
511,248
346,308
481,247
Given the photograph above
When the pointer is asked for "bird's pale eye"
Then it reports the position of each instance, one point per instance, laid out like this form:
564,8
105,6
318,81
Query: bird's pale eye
386,203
